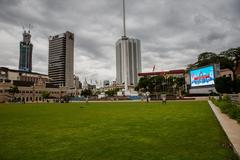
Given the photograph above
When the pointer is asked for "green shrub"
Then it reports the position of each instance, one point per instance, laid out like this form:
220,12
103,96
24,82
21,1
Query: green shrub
226,98
226,106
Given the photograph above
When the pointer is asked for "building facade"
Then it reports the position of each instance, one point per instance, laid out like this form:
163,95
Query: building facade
30,86
128,61
178,73
76,82
29,94
61,59
26,47
18,76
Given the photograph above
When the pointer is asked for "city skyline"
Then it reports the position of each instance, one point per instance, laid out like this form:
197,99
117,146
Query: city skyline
172,33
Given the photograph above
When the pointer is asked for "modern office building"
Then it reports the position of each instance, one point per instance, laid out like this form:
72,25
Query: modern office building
61,59
128,60
26,47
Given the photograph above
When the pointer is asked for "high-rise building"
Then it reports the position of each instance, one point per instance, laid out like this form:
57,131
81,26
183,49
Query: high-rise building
61,59
128,58
26,47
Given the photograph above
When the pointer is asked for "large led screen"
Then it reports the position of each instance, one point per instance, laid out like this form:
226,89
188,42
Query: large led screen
202,76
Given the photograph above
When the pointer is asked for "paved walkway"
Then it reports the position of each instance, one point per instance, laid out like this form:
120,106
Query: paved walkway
230,126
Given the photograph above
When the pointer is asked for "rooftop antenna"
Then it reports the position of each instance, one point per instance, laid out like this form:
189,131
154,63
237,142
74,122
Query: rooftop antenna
124,20
23,27
30,26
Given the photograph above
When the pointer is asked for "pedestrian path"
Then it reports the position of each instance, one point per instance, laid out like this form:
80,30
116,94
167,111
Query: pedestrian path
230,126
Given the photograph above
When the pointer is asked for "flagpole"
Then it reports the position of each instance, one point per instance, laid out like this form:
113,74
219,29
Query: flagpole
124,20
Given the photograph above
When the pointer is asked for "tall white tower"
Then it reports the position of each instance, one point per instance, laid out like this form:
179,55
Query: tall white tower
128,58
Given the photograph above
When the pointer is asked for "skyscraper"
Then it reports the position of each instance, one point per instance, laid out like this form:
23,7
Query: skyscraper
26,47
128,58
61,59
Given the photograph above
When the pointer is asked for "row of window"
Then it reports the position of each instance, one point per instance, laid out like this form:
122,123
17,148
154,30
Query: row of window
32,79
37,92
22,92
29,99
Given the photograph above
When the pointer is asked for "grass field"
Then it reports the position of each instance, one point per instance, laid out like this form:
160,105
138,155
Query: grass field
112,131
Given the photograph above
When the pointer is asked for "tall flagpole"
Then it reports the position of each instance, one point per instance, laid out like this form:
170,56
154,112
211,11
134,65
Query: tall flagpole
124,20
125,51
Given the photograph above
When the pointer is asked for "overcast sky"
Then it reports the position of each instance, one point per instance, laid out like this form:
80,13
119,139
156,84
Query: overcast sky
172,32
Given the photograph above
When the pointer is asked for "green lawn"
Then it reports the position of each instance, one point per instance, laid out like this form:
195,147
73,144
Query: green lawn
112,131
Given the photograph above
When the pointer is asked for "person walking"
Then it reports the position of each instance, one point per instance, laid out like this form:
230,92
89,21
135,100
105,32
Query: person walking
164,98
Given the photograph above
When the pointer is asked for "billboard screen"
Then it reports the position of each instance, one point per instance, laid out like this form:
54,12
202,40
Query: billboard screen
202,77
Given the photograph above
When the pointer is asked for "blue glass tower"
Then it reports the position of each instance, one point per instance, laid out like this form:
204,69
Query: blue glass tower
26,47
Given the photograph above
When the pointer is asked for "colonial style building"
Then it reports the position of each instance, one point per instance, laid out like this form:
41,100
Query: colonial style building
30,85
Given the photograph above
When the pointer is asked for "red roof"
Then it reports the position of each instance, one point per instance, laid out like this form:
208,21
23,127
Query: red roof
179,71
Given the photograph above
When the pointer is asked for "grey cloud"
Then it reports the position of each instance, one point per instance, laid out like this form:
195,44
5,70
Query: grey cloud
214,36
172,33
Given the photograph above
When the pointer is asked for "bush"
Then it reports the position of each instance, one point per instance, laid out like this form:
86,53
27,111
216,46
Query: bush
224,85
237,86
226,98
226,106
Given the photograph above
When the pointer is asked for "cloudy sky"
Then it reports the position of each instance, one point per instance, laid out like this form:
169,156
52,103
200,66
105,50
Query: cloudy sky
172,32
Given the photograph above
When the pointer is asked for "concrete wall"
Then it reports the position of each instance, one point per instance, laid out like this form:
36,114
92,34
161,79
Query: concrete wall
202,90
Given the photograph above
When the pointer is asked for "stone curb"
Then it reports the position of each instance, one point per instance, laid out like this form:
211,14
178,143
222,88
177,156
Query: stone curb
230,126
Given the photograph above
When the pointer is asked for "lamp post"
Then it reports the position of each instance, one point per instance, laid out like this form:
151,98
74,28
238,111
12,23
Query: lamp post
155,82
33,92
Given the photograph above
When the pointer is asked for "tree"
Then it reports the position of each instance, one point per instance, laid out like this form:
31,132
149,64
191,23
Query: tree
143,83
237,86
45,95
204,59
223,84
151,84
66,99
180,82
13,90
231,59
86,92
160,84
207,58
112,92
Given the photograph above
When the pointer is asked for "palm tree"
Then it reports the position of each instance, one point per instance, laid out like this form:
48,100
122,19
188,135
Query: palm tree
13,90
